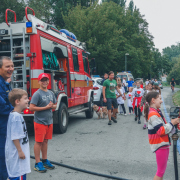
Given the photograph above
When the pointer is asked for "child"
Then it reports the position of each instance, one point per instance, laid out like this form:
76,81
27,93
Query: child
17,143
143,101
137,94
128,96
158,130
42,102
157,88
120,99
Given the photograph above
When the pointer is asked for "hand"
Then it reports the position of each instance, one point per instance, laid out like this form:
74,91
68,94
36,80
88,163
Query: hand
175,121
50,105
21,155
105,100
140,107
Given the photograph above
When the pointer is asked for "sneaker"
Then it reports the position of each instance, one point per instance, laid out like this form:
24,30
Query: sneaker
109,123
40,168
125,114
129,113
113,119
144,127
139,122
135,119
48,165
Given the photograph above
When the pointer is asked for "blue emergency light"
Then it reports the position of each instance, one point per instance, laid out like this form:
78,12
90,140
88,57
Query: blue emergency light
28,24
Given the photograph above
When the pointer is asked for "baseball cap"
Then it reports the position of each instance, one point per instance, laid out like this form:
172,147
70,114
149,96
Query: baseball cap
42,75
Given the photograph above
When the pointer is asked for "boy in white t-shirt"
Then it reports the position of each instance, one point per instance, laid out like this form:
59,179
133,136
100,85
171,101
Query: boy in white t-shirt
120,99
17,152
128,96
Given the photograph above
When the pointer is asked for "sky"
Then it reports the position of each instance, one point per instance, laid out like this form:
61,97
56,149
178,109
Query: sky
163,17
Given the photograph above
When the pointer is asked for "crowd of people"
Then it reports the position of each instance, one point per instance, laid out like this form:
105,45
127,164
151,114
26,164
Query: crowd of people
139,99
14,141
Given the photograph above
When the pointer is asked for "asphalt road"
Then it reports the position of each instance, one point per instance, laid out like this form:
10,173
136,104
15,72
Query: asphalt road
120,150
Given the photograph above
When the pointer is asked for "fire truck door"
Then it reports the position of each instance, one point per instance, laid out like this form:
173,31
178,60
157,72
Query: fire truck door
77,79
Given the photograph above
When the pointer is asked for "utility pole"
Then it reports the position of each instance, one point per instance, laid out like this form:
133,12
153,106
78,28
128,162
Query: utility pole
126,61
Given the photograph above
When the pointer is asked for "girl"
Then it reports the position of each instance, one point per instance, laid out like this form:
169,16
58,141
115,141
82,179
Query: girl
137,94
120,99
128,96
143,100
158,130
157,88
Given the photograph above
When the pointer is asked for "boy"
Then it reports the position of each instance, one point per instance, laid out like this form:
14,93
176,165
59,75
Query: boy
17,143
42,102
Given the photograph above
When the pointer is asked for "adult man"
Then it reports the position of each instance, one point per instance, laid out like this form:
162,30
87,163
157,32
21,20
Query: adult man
109,96
130,83
172,83
6,70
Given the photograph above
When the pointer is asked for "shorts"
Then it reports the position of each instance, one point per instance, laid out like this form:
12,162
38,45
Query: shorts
42,132
18,178
110,102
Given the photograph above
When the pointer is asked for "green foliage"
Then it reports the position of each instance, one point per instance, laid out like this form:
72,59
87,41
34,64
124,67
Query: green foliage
17,6
175,72
110,32
172,51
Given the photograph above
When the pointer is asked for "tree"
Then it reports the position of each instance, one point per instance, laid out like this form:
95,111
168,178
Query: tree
17,6
110,32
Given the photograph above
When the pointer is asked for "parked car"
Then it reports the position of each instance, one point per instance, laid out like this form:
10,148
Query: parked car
160,84
97,88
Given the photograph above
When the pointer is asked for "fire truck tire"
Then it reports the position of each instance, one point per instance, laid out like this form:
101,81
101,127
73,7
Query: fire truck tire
63,119
89,113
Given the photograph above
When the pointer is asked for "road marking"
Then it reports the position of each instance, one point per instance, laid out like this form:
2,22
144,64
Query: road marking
169,120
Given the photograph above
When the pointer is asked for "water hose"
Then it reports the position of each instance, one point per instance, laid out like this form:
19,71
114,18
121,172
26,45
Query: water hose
84,171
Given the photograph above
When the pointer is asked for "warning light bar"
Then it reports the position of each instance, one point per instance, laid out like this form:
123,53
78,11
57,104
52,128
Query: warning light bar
29,27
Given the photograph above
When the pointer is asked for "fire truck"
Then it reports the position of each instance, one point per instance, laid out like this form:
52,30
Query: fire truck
37,47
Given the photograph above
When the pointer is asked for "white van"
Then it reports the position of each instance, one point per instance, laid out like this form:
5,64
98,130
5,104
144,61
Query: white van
126,74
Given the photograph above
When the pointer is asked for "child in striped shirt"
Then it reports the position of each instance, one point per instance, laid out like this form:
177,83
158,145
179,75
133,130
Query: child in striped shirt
158,130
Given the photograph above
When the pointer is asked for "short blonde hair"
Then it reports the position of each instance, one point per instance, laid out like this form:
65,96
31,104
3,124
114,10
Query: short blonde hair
131,88
15,94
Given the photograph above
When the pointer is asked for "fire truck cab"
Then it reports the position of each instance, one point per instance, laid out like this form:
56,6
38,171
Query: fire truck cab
36,47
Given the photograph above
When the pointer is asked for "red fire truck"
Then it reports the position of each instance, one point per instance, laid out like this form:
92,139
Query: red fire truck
36,47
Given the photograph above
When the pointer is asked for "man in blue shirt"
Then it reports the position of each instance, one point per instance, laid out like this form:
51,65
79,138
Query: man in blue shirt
130,83
6,70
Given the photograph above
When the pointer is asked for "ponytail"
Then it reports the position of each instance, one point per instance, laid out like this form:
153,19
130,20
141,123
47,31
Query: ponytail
146,110
149,97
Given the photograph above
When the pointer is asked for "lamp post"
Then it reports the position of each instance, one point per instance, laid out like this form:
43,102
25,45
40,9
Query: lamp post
150,70
126,61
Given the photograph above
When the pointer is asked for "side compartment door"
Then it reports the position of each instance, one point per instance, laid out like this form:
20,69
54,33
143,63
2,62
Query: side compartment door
77,78
87,78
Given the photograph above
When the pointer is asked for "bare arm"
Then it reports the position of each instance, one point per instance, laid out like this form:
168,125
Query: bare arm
18,147
33,107
104,88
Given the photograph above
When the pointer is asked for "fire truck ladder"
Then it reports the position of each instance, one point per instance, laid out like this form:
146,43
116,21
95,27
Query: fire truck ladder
18,55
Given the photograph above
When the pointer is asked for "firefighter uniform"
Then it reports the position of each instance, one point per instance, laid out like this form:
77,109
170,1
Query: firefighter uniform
5,109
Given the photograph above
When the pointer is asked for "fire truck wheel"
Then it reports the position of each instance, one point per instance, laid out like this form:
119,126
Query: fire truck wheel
89,113
63,119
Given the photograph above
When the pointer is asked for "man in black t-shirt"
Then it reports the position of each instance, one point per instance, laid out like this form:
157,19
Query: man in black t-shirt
172,83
